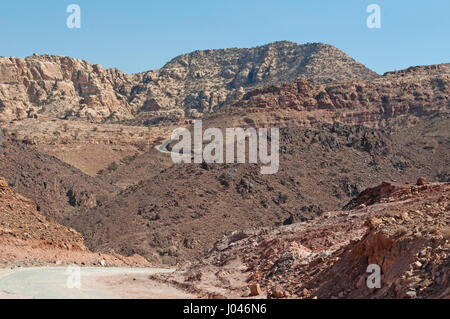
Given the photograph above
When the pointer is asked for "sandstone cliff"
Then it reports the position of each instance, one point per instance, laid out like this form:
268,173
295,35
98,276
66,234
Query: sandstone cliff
212,78
418,91
64,87
57,86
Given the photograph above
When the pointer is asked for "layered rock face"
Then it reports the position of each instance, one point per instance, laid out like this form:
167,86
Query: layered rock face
419,91
64,87
319,77
212,78
61,87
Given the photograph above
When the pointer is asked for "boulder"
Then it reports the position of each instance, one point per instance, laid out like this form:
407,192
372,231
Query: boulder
255,290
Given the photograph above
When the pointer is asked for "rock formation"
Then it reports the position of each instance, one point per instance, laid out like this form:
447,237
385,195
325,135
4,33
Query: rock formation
328,257
419,91
190,84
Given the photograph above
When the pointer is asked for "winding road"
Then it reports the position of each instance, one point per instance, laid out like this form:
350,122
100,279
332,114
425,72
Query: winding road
95,283
163,147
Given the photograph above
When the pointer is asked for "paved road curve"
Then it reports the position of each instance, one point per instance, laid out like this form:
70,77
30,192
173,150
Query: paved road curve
95,282
163,147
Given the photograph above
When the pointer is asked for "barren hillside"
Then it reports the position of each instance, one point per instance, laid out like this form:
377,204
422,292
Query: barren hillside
404,229
28,238
56,187
175,214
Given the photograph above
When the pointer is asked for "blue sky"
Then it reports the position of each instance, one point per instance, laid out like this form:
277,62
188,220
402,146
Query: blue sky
140,35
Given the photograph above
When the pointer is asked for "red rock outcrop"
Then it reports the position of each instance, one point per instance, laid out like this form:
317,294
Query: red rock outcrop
328,257
418,91
388,192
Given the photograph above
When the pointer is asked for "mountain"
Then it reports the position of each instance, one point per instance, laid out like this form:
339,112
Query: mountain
418,91
205,80
343,128
190,84
60,87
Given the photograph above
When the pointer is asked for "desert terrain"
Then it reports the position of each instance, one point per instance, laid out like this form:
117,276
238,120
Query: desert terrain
87,177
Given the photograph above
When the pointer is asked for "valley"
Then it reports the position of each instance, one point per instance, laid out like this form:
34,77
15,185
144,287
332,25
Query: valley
87,176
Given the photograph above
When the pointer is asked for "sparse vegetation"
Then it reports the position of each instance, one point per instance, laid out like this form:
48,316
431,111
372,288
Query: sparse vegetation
112,166
128,159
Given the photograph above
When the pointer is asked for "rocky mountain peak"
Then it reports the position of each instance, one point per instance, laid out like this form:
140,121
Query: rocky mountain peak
188,85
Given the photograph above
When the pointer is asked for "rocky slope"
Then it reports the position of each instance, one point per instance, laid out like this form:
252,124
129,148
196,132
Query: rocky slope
173,215
64,87
90,147
404,229
213,78
58,86
28,238
418,91
55,186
